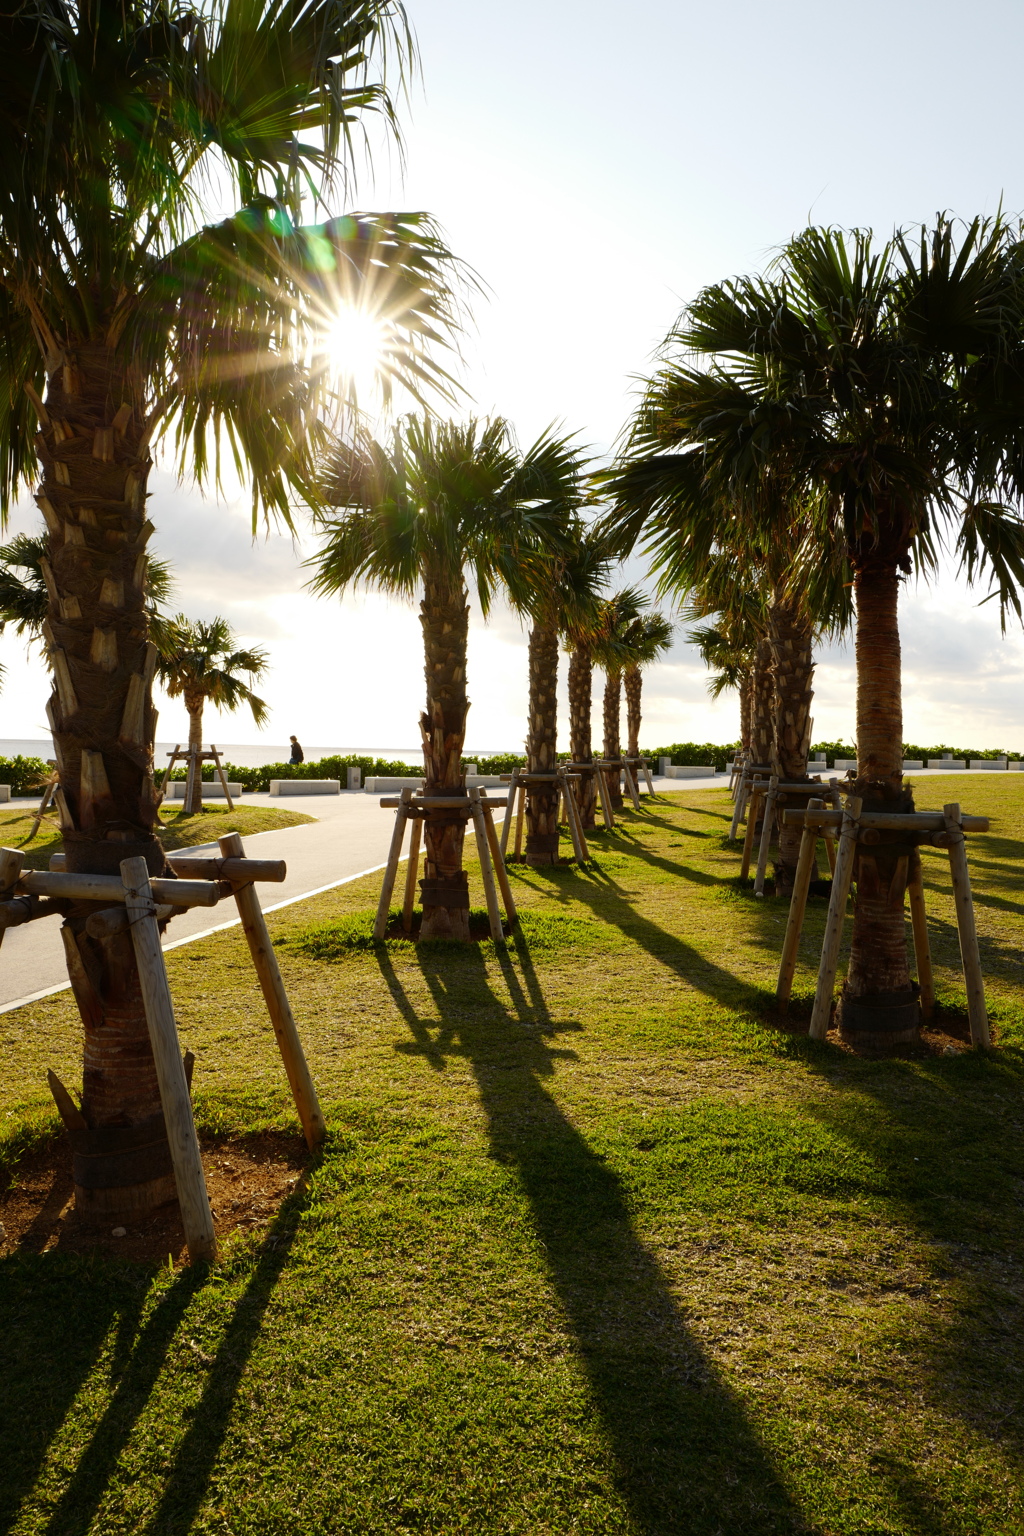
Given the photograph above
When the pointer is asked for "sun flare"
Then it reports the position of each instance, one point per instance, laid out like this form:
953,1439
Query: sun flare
353,344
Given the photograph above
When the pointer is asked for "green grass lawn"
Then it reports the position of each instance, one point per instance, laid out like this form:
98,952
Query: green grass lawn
176,829
591,1249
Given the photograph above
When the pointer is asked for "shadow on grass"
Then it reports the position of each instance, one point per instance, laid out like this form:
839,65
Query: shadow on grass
60,1336
687,1458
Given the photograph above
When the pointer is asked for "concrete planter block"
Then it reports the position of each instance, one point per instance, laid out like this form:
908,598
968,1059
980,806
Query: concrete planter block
211,791
909,763
384,786
844,764
305,786
483,781
1014,766
5,793
472,770
947,762
988,764
355,778
690,771
664,764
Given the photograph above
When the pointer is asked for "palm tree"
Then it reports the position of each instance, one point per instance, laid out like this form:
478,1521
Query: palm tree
567,600
25,596
624,610
871,395
439,500
646,640
199,662
586,633
123,316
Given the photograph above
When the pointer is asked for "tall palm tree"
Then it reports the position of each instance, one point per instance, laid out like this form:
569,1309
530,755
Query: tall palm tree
873,394
567,599
200,663
124,315
438,501
612,653
587,634
730,664
649,638
25,596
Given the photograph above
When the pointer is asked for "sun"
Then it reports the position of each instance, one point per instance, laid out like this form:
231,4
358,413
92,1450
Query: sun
352,349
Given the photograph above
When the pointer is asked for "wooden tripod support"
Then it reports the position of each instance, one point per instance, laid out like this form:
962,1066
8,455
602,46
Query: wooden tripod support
139,902
778,796
518,789
195,757
943,829
475,807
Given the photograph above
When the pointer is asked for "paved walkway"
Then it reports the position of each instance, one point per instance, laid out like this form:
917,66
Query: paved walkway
349,838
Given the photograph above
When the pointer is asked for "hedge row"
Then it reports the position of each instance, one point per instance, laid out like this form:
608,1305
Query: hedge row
25,775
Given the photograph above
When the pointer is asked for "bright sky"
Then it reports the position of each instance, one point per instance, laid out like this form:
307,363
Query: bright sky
596,166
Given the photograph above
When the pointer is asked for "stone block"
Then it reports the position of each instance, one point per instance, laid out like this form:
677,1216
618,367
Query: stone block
947,762
988,764
690,771
664,764
1014,765
385,786
305,786
355,778
909,763
5,793
211,790
844,764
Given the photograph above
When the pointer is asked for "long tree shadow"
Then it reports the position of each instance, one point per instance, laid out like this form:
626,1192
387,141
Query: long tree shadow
687,1458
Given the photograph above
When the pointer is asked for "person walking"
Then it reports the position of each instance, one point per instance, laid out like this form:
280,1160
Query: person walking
297,753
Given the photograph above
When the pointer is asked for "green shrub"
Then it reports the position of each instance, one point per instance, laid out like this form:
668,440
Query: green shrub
258,779
25,775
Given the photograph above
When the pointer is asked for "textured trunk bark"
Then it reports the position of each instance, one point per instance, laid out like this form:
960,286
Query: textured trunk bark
633,682
541,746
444,616
791,637
581,682
612,745
762,704
878,1001
194,787
93,497
746,711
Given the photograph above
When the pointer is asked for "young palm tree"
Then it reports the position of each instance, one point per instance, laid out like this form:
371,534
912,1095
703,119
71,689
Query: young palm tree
123,316
731,666
199,662
871,395
439,500
568,599
649,638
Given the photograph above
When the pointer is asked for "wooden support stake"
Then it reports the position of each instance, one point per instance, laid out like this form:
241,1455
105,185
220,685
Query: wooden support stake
922,949
631,785
520,821
391,868
510,810
797,909
647,776
486,870
264,959
411,874
766,834
222,776
841,882
10,869
970,954
51,785
753,806
607,813
572,817
504,884
196,1216
737,810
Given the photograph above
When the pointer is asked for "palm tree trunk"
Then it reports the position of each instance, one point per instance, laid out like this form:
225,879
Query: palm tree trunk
194,787
633,682
612,745
762,701
93,497
878,1002
444,616
581,680
746,692
541,746
791,637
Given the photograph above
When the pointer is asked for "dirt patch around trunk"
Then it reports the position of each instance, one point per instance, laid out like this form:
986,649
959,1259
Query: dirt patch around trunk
247,1181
